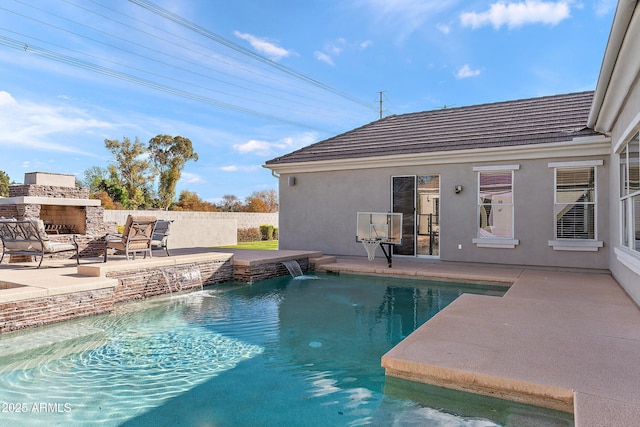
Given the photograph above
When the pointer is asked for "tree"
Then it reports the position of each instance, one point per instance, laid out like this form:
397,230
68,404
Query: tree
106,200
94,178
169,155
105,184
4,184
190,201
262,201
255,204
133,167
230,203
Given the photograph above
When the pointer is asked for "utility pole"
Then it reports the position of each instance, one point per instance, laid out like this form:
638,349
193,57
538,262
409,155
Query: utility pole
380,93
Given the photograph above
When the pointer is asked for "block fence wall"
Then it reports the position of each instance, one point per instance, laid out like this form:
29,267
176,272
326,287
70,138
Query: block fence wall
201,229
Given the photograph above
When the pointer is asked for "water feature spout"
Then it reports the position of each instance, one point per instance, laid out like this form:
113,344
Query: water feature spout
293,267
182,277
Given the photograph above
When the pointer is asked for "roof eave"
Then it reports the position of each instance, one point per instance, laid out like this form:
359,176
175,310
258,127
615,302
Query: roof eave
589,146
608,97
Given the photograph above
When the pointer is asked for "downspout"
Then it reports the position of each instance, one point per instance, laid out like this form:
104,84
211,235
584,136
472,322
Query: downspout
621,20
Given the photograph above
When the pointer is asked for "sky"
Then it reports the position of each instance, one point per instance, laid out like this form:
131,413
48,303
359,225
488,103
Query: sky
249,80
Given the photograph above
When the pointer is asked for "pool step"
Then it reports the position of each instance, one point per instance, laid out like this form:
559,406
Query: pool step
322,260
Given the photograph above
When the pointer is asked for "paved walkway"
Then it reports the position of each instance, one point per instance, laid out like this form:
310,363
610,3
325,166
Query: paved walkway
568,341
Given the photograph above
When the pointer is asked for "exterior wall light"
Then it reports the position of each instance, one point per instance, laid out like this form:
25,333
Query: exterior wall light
292,181
457,189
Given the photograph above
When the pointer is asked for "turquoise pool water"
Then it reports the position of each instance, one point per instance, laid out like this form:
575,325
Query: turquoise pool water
283,352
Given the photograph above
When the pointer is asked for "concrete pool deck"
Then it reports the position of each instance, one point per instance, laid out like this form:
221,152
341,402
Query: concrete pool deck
564,340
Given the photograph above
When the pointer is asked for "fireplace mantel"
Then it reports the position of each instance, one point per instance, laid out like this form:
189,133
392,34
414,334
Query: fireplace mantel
56,201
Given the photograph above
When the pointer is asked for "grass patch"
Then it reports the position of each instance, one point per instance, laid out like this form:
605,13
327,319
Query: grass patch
263,245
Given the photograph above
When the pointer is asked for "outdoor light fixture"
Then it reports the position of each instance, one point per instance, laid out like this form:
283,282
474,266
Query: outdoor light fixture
292,181
457,188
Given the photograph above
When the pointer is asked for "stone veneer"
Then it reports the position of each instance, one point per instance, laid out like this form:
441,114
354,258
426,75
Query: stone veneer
254,273
34,190
57,308
132,285
145,283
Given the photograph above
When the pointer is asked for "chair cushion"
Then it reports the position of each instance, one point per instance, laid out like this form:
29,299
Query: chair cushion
58,246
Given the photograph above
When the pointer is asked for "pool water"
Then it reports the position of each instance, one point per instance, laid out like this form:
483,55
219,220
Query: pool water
282,352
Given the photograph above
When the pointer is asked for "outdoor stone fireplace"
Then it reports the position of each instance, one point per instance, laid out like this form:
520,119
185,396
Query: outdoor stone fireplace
64,208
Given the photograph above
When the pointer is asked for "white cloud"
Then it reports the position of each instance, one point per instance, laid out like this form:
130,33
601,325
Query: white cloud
266,148
191,178
38,125
236,168
336,48
323,57
264,46
406,16
254,146
518,14
465,72
443,28
602,7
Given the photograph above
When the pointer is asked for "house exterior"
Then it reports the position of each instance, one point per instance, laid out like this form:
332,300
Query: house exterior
616,112
533,182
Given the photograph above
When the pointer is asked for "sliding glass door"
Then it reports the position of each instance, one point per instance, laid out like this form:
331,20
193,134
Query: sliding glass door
418,199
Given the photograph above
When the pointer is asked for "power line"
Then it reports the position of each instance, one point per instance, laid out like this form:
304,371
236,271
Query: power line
148,70
192,90
231,45
28,48
126,40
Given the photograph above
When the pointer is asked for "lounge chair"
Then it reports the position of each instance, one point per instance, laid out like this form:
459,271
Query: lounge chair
161,235
136,237
28,237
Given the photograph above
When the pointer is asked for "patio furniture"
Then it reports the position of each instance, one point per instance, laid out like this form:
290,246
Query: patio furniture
161,235
28,237
136,237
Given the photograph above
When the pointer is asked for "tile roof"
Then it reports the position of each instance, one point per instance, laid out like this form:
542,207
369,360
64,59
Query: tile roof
502,124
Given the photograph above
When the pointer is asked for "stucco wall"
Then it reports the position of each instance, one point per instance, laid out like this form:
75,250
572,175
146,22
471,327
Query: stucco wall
201,229
626,126
319,212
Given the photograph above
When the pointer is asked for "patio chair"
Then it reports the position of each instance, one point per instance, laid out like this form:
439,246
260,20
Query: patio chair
28,237
136,237
161,235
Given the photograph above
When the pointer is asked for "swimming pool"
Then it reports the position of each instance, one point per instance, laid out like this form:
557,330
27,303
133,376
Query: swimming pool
281,352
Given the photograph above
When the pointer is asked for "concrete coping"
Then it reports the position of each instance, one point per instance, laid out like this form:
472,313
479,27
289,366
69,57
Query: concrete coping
248,258
101,269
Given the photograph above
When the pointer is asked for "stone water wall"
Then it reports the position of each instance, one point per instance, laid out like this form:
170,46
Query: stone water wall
148,282
254,273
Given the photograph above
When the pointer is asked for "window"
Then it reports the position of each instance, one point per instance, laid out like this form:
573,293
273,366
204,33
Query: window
575,206
495,207
630,195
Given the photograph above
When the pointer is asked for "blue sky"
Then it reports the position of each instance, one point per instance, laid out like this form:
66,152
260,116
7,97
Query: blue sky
248,80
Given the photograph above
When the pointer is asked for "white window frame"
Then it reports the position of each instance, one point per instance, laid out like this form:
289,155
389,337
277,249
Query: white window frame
627,254
497,242
579,245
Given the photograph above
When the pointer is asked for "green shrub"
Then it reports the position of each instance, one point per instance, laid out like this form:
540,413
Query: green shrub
266,231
